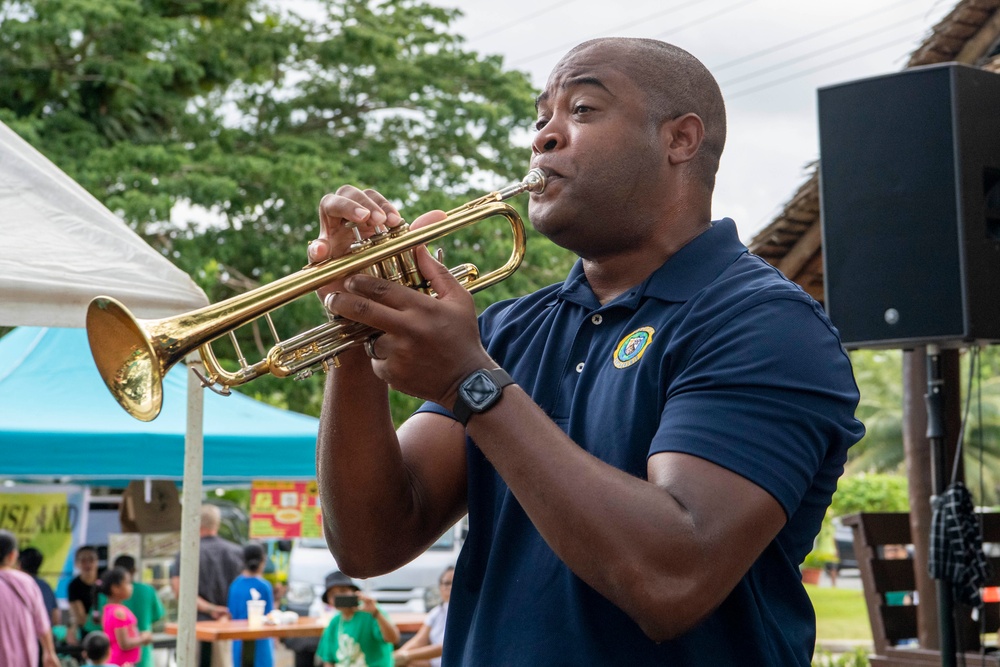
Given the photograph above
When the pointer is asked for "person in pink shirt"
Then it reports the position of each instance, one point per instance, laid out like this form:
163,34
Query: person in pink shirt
120,624
24,622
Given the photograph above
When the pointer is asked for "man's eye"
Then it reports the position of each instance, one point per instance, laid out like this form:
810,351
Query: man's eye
540,123
581,108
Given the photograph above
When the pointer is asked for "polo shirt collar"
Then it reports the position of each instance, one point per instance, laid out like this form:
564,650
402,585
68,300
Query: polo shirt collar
689,270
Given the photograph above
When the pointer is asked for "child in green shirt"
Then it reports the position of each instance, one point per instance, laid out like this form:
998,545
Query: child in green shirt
359,634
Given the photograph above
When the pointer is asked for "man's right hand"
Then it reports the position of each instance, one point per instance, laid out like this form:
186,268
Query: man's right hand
218,612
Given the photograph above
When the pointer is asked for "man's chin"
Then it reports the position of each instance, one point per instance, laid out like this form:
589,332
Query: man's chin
558,230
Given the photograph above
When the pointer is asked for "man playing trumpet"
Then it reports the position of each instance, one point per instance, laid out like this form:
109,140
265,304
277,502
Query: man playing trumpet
645,451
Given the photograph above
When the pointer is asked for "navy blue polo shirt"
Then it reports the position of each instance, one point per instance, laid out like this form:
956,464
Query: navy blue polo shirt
716,355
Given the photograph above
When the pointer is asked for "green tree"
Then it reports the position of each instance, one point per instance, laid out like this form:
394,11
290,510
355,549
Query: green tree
879,374
880,378
870,493
166,110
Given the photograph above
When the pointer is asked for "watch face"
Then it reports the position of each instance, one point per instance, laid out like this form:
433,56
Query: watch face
480,391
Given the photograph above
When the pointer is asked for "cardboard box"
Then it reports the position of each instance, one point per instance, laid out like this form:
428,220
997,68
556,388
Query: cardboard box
161,515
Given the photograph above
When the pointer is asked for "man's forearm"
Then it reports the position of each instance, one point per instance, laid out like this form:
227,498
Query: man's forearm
690,535
77,613
365,490
205,607
390,632
49,656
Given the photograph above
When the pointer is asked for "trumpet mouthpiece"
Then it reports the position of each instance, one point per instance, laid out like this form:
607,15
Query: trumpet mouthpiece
534,181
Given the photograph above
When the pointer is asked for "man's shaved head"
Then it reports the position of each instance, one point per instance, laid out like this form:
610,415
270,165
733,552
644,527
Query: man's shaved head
675,83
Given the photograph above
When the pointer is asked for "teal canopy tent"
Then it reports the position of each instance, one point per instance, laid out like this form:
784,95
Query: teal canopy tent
58,421
61,248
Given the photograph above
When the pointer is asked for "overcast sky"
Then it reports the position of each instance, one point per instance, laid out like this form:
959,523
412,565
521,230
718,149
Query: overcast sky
769,56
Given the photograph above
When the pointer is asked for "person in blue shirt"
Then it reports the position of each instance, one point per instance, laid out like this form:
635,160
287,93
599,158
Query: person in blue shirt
645,489
251,585
30,561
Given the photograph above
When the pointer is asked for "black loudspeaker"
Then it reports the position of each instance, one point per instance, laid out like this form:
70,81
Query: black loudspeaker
910,200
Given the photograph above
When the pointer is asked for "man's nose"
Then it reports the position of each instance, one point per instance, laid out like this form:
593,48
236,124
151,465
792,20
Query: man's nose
547,139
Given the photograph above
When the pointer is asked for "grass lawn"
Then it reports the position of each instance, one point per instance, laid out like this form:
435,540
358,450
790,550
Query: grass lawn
840,613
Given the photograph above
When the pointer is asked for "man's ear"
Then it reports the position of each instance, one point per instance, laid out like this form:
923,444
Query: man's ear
682,137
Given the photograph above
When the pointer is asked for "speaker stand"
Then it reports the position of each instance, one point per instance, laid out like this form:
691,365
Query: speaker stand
939,460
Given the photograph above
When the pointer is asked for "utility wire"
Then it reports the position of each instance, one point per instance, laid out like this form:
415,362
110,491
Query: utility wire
515,22
803,38
561,48
818,68
821,51
708,17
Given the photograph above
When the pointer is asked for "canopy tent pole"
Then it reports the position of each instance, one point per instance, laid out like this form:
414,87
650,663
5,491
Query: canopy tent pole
187,603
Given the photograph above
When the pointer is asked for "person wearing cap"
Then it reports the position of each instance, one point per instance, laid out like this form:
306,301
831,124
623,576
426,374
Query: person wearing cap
359,634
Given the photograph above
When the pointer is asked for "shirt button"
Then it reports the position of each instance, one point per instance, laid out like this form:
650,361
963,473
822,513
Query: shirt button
579,367
597,319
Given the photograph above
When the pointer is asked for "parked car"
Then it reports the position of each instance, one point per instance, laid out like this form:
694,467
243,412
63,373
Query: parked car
411,588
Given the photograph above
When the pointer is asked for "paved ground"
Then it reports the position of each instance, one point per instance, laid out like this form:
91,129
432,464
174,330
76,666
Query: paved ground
282,657
848,579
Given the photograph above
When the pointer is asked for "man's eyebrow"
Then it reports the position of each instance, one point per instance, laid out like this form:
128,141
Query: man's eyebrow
574,82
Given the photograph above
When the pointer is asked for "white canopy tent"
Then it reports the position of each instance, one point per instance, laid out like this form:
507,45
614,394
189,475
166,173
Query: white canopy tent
60,248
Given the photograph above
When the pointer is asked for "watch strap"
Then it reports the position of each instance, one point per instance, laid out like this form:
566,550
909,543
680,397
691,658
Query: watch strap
463,411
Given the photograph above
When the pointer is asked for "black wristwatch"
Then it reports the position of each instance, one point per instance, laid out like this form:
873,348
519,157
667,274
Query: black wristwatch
479,392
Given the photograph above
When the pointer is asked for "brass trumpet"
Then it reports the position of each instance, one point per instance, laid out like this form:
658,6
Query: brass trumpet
133,355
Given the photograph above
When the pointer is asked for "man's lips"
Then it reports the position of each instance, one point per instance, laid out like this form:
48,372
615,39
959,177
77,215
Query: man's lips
551,176
550,172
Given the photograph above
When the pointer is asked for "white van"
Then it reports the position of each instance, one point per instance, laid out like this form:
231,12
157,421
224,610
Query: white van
411,588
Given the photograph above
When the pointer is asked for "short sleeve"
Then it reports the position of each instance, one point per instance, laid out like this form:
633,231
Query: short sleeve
73,592
115,616
770,395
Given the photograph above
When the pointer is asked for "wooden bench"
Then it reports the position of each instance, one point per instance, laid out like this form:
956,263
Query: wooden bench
894,624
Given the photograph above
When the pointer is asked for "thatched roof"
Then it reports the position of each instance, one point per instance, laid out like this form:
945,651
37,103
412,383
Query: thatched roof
970,34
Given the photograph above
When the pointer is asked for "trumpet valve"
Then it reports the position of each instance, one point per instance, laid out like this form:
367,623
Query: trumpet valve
353,226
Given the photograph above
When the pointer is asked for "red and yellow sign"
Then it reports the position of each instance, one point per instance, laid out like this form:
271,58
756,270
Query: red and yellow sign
284,510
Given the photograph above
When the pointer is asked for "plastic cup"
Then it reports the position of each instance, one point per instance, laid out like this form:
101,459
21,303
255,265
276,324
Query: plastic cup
255,613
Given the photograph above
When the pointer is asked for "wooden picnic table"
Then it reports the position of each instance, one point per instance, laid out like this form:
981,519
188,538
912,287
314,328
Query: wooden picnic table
307,626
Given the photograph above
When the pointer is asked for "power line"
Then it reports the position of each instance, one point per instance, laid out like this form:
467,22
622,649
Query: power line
563,47
708,17
818,68
802,38
821,51
513,23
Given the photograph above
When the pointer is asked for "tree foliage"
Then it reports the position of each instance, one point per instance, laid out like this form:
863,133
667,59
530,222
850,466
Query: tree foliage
880,378
879,375
870,493
214,128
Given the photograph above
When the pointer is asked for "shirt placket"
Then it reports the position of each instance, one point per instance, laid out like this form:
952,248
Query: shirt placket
577,358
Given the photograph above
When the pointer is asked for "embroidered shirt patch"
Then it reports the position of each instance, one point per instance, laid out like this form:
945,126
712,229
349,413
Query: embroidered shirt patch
632,346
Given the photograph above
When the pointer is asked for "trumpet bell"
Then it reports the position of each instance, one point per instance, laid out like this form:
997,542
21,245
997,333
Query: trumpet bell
125,358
